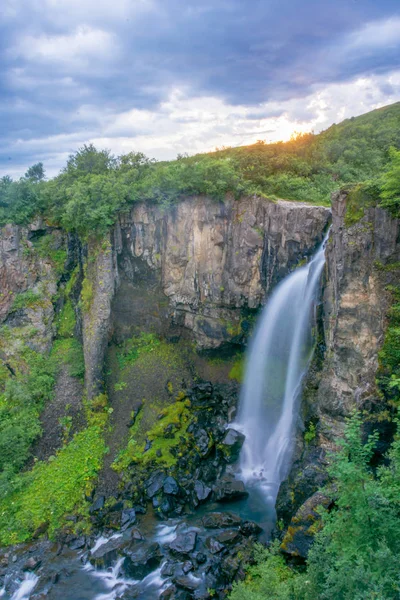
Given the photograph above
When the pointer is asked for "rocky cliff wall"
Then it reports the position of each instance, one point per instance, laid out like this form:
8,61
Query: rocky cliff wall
28,281
217,260
356,303
198,268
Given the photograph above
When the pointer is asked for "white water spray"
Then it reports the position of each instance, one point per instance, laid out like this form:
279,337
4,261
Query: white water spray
277,361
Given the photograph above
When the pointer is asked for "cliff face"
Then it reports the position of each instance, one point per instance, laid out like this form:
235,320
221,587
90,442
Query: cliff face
355,302
197,269
214,261
28,281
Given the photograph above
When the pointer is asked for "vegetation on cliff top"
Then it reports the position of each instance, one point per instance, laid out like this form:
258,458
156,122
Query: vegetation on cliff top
94,187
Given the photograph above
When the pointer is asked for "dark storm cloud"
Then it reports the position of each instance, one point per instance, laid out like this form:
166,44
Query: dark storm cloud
115,56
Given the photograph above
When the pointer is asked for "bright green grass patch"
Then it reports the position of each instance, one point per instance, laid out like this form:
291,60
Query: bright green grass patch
66,320
54,489
178,415
136,346
237,371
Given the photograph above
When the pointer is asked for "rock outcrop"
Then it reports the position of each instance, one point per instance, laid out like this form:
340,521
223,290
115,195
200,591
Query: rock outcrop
355,303
28,281
215,260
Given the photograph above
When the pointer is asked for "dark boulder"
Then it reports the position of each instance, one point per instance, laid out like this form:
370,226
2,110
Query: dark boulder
304,525
213,545
154,484
128,518
188,582
249,528
201,492
107,553
228,489
97,505
171,486
203,442
78,543
218,520
184,543
228,537
231,445
141,559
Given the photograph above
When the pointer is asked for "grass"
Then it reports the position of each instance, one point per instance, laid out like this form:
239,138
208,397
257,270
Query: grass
66,320
55,488
136,347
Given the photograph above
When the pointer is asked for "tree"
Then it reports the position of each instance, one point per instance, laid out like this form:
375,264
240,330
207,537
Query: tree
390,193
35,173
89,161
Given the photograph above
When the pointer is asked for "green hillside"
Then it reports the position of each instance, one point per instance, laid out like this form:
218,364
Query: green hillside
94,186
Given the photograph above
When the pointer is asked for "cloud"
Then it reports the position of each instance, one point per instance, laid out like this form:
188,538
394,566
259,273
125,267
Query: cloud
76,51
74,70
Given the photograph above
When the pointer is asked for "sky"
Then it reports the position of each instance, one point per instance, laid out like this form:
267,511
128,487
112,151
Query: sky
167,77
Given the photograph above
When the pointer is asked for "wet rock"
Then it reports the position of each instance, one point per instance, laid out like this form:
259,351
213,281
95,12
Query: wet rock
202,441
213,545
128,518
168,568
184,543
228,489
201,492
187,566
170,486
200,558
220,520
201,393
304,525
32,564
169,593
231,445
107,553
136,535
249,528
229,567
228,537
142,560
154,484
187,582
97,505
78,543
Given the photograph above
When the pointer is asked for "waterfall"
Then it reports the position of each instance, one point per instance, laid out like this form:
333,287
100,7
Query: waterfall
277,360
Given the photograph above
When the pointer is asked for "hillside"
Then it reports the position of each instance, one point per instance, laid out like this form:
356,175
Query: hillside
95,186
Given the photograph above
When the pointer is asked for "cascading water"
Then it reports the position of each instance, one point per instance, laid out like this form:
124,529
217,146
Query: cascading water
277,361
